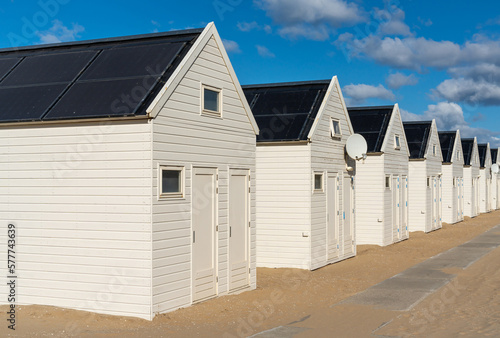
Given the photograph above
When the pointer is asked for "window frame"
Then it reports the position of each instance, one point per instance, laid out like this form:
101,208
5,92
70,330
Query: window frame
428,182
333,134
321,174
388,182
397,142
209,112
171,195
434,149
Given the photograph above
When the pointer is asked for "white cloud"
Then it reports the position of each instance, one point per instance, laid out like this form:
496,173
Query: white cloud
449,116
357,94
60,33
312,19
231,46
392,21
398,80
250,26
265,52
469,91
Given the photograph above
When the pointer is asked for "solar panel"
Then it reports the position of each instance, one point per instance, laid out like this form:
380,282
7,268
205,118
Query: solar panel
50,68
275,127
372,124
108,98
27,103
6,65
285,102
417,135
150,59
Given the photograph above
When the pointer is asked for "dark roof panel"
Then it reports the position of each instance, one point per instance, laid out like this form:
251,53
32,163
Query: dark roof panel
87,79
285,111
447,142
483,152
467,148
372,124
417,136
494,155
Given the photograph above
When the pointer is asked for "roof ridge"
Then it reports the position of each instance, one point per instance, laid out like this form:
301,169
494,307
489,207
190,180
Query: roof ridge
286,84
104,40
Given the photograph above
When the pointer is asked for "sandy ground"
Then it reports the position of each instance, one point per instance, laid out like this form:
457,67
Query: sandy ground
287,295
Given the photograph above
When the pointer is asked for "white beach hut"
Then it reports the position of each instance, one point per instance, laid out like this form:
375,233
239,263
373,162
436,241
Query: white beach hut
453,176
471,177
495,177
485,200
425,172
382,178
305,196
128,168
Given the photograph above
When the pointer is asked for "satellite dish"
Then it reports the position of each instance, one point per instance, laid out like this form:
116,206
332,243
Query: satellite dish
495,168
356,147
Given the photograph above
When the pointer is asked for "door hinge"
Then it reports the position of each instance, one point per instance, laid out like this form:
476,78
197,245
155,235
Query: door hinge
249,271
216,228
249,224
230,231
194,236
249,189
216,190
217,279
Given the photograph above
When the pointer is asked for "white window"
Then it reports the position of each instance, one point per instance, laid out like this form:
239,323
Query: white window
211,101
171,183
318,182
388,181
397,142
335,128
434,148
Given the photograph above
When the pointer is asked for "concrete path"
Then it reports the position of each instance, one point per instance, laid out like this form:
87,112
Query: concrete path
369,311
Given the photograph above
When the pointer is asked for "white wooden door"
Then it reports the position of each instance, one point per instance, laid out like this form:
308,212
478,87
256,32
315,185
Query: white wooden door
204,213
458,183
404,207
396,201
440,203
348,214
332,217
478,197
434,193
239,229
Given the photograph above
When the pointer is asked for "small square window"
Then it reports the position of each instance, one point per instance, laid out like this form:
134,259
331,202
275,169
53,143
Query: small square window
335,128
318,182
211,101
434,150
388,182
171,182
397,142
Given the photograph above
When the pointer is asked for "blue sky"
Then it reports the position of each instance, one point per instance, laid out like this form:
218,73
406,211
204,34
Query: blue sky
437,59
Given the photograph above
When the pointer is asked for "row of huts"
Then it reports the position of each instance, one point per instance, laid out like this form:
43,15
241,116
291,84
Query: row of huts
141,177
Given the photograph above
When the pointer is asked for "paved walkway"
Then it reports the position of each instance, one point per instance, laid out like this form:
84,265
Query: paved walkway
367,312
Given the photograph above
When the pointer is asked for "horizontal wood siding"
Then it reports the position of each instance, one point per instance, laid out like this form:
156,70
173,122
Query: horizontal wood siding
183,137
419,197
370,198
284,187
327,156
79,195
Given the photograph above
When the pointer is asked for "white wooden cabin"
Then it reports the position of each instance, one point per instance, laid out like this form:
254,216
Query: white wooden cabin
425,171
495,183
485,200
305,196
382,179
471,177
128,169
453,176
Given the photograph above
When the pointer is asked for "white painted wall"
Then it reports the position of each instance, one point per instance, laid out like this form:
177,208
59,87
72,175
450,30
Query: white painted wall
80,197
284,190
182,137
